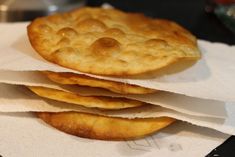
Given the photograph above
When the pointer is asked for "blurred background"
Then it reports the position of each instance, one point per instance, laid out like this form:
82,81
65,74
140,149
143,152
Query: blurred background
212,20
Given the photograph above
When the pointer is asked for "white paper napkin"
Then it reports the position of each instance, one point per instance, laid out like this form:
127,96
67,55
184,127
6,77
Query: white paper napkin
211,77
177,102
22,134
19,99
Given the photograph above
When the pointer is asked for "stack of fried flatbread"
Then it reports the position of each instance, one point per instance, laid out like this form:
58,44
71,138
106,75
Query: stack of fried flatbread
106,42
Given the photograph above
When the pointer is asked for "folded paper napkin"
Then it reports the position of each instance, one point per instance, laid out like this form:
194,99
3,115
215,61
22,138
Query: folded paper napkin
205,97
211,77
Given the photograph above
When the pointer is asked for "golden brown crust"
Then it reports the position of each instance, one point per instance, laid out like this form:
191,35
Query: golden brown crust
101,102
110,42
103,128
82,80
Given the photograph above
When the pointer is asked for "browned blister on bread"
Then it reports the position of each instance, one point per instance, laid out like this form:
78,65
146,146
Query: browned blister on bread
110,42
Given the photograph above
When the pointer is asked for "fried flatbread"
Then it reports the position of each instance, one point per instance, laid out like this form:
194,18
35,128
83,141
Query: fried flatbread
103,128
83,80
110,42
101,102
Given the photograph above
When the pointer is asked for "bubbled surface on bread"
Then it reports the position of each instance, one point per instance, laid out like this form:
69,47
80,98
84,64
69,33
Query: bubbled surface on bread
110,42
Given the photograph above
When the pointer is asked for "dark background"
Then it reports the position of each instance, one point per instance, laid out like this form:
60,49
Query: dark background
189,13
